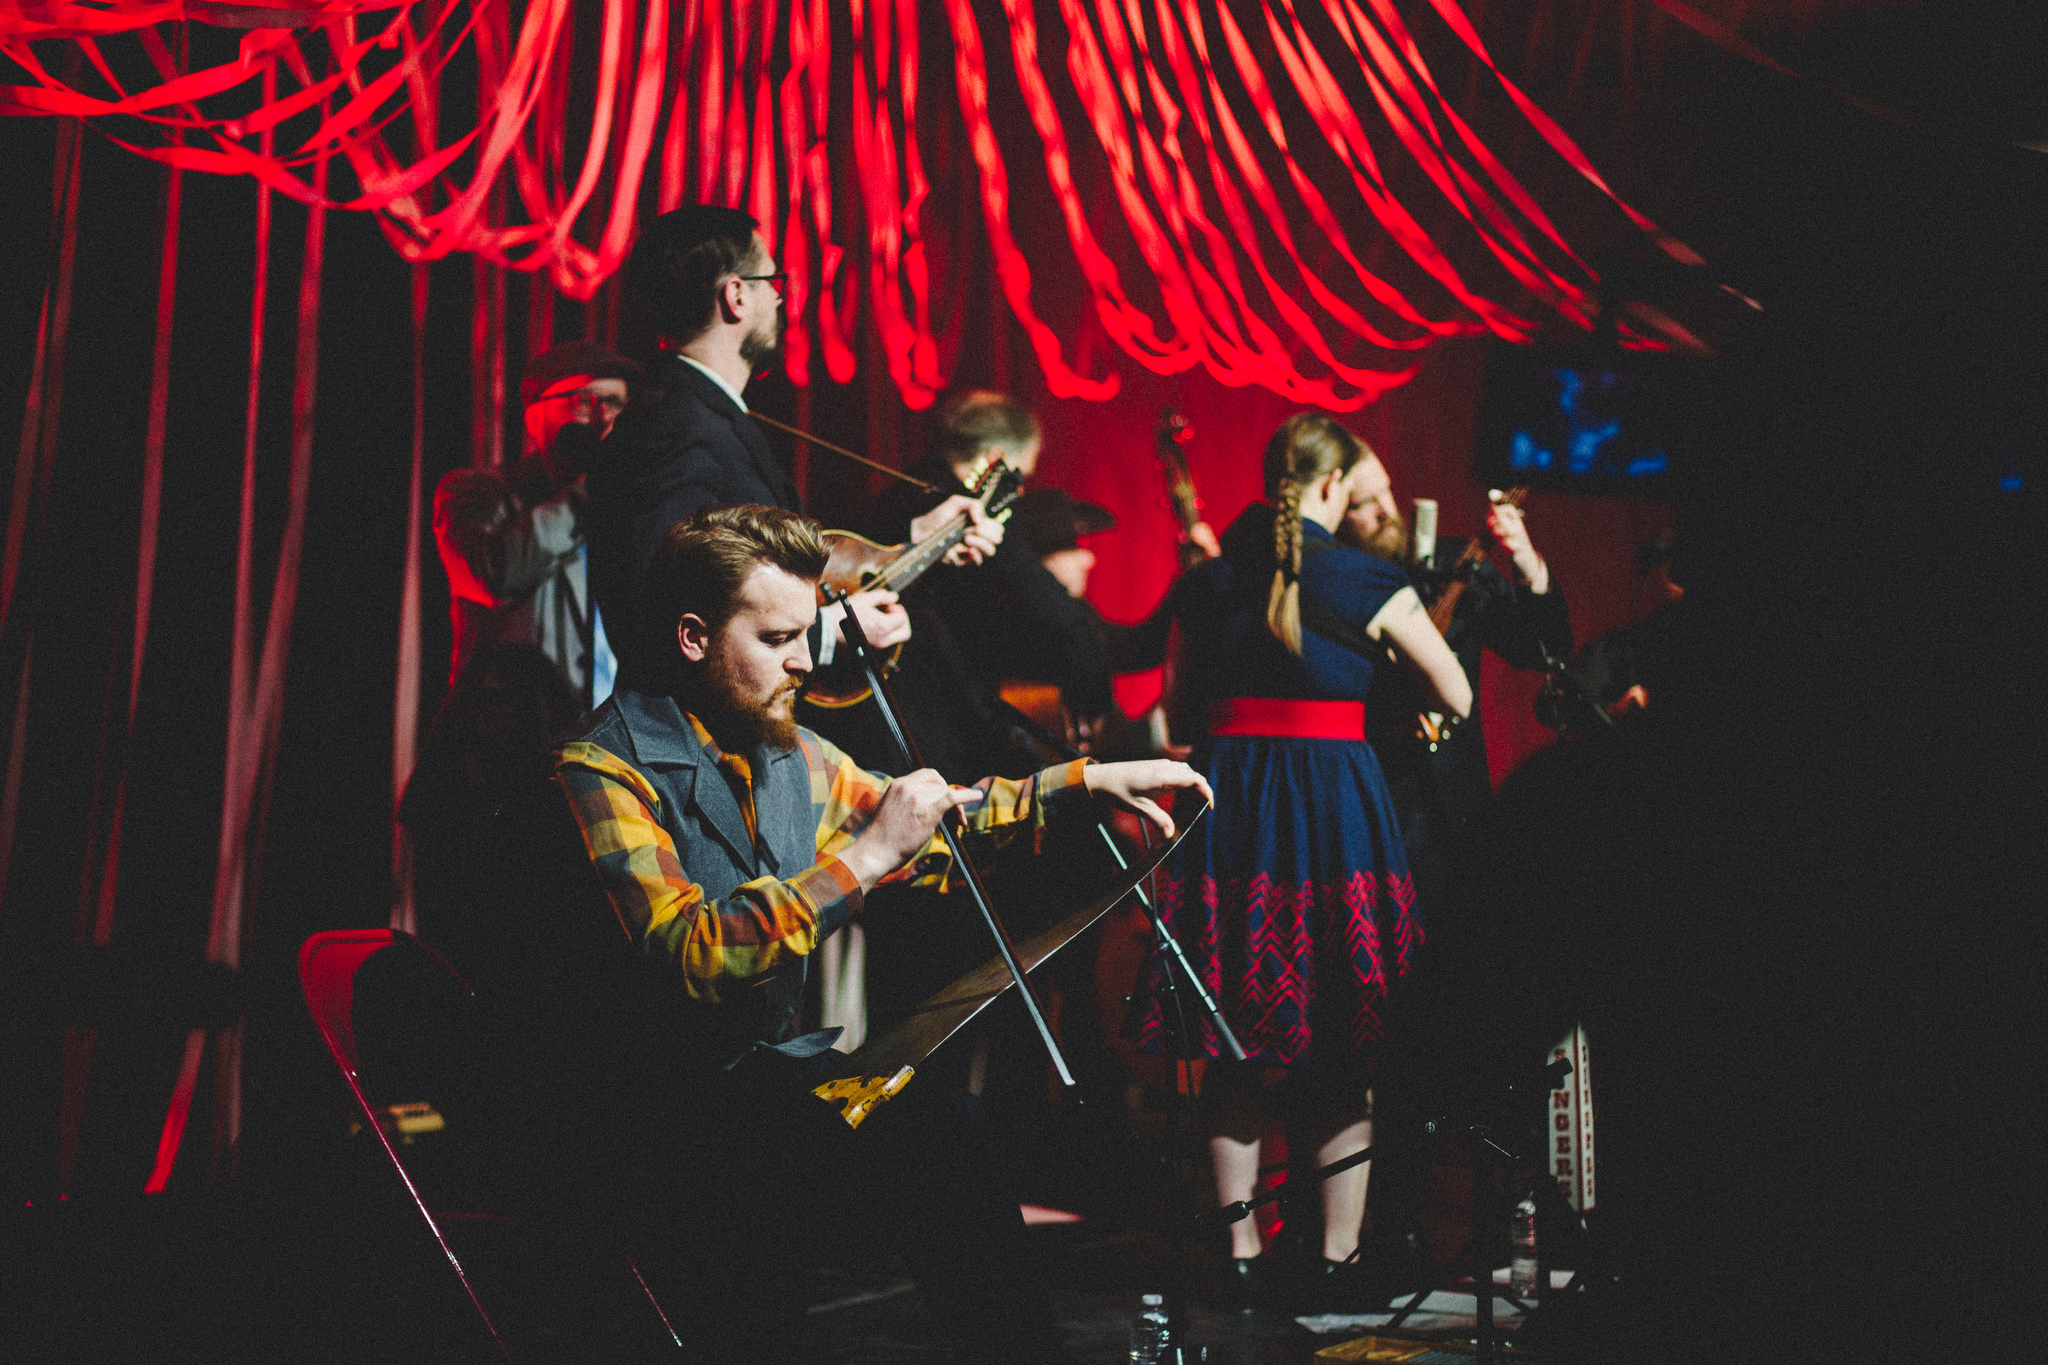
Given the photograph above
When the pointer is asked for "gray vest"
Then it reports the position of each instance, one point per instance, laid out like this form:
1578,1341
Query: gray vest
703,817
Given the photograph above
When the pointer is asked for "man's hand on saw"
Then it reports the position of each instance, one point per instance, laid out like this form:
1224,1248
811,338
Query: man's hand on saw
911,809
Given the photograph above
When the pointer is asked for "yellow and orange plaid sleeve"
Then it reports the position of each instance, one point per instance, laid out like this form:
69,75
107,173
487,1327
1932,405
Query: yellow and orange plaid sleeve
761,926
846,795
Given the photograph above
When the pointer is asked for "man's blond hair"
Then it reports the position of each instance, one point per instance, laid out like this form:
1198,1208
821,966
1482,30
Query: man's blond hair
704,560
972,422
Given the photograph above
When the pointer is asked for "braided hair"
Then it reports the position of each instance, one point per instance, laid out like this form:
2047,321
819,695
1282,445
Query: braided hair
1307,447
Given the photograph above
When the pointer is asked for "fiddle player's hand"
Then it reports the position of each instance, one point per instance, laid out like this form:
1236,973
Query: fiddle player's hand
902,825
984,532
1147,787
1204,535
1507,526
882,618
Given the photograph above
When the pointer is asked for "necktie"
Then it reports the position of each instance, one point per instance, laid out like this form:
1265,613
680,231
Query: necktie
604,665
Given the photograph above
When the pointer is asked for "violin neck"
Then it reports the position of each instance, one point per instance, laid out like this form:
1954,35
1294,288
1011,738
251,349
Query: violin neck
993,484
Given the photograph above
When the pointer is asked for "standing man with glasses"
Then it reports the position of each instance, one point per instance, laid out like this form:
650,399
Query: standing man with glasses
686,441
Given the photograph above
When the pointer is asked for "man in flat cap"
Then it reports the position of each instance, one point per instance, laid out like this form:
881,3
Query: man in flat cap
529,653
1053,521
512,539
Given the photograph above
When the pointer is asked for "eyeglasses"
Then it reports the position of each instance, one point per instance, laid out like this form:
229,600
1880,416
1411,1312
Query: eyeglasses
611,402
777,281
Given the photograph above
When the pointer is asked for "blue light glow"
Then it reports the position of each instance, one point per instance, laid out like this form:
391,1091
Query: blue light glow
1524,453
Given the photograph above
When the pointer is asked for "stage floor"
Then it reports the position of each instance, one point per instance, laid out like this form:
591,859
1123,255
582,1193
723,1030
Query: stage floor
1097,1276
233,1278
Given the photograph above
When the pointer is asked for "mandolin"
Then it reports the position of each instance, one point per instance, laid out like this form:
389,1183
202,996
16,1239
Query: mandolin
1432,728
858,564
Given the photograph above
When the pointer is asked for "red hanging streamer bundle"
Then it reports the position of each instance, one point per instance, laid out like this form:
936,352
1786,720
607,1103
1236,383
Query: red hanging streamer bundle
1212,127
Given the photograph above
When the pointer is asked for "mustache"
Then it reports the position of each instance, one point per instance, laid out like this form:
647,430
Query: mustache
1389,540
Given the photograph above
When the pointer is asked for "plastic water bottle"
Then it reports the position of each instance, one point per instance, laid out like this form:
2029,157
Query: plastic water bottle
1149,1332
1524,1272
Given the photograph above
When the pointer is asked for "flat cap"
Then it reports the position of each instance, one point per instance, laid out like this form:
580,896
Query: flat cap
573,357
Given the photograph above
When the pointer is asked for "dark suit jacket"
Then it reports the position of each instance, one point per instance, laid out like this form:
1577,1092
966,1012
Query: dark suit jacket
1435,794
975,627
1010,616
681,445
1494,614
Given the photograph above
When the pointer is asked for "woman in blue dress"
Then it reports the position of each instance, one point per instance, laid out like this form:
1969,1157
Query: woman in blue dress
1293,898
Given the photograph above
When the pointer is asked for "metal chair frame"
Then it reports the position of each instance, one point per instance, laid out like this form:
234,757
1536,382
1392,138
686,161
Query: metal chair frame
328,963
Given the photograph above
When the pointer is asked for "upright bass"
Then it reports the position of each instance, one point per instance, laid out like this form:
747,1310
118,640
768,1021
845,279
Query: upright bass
1196,540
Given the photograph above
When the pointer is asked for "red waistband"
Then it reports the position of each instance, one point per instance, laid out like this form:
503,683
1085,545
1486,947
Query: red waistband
1287,716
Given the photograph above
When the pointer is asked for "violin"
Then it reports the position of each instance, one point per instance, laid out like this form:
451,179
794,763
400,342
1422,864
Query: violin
1178,717
858,564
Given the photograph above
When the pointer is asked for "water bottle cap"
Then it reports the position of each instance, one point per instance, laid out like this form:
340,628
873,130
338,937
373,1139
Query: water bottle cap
1152,1300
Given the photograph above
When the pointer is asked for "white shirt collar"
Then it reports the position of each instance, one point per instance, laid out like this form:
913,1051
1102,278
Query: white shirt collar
716,378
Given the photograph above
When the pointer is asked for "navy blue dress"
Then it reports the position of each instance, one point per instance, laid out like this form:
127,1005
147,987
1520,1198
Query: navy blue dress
1292,898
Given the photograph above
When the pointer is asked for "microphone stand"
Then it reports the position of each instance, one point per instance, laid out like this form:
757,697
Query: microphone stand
1285,1194
1168,947
1178,1352
1564,705
953,826
1488,1156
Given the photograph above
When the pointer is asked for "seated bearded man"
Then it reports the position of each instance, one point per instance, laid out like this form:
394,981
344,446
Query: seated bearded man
729,843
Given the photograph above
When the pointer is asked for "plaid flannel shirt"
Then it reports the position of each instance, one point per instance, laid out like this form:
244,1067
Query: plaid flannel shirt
766,922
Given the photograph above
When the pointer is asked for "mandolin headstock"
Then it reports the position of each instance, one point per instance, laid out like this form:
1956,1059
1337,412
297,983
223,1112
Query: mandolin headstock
995,485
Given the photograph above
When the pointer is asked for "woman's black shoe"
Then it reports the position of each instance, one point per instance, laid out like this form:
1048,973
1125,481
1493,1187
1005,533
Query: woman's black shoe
1244,1288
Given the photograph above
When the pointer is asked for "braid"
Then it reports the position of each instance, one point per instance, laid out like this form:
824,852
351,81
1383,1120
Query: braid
1287,529
1307,447
1283,602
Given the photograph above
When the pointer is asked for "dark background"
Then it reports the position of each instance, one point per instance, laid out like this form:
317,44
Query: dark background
1853,1026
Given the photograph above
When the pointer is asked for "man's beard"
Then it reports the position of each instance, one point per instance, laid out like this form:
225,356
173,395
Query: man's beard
758,349
1389,540
740,722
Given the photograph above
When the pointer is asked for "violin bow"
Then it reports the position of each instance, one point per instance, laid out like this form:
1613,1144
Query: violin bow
803,435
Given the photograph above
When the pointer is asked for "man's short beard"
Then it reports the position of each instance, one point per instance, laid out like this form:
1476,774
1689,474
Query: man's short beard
1389,541
758,350
737,721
